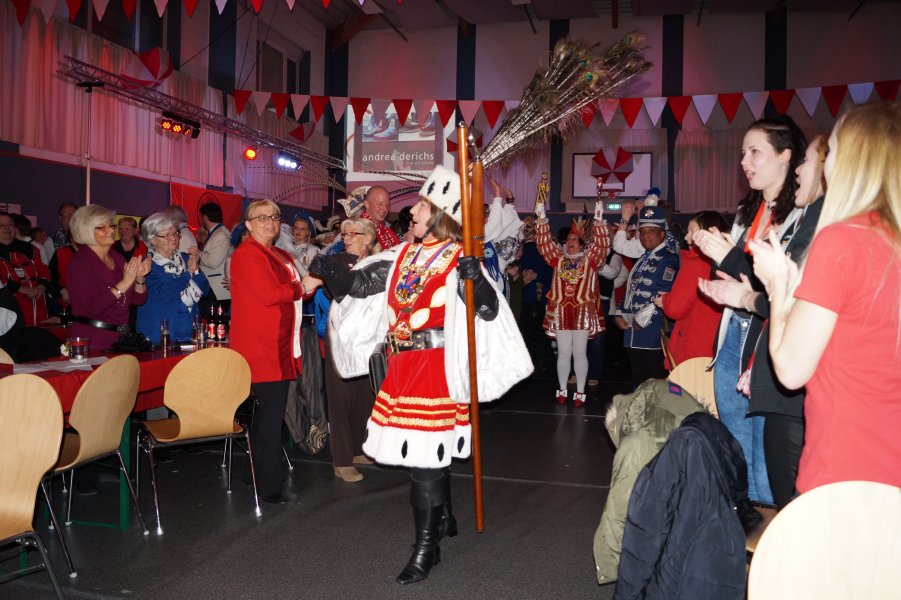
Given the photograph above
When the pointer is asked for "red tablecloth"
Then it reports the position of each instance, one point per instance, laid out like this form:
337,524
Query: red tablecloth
154,370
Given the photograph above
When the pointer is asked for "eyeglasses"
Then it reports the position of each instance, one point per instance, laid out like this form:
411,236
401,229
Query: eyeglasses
350,234
264,218
106,227
169,236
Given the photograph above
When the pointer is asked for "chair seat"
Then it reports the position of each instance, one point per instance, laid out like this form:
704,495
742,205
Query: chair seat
68,454
754,537
168,430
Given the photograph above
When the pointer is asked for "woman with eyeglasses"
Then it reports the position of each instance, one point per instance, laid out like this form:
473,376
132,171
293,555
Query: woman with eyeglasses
102,285
265,328
412,293
349,400
175,282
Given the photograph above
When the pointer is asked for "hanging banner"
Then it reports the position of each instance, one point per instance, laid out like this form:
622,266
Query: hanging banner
192,198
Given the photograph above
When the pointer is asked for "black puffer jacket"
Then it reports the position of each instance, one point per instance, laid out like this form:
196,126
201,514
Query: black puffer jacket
683,537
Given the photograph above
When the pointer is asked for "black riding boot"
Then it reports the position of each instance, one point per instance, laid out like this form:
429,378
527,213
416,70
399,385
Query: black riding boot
427,498
448,525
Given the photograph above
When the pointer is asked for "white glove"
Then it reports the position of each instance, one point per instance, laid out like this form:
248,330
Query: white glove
598,210
539,211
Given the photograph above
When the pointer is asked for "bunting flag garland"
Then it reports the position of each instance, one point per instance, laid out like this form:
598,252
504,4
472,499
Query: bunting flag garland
781,100
756,101
318,103
588,113
446,110
809,98
423,110
190,6
402,108
679,105
338,103
260,100
860,92
48,7
241,97
469,109
630,108
100,8
704,105
379,108
299,102
492,110
834,95
220,5
887,90
160,7
257,5
654,108
730,103
74,7
280,102
608,107
22,8
359,105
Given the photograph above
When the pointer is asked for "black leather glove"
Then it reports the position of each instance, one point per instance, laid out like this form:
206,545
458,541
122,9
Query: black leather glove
468,267
342,281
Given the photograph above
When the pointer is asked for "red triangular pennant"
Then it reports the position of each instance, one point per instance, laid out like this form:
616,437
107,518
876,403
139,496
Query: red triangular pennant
679,105
888,90
325,3
318,103
834,96
129,6
446,110
257,5
630,108
74,7
781,100
402,107
190,5
492,110
730,103
241,98
359,105
22,7
280,102
588,113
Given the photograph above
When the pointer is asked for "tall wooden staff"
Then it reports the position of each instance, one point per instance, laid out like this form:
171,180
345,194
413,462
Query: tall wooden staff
473,213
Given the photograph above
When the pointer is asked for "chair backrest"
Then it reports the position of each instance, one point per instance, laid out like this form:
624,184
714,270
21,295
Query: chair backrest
5,358
205,389
102,404
841,540
31,430
692,375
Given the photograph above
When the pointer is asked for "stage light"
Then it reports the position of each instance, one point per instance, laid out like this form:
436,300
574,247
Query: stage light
286,161
250,153
181,125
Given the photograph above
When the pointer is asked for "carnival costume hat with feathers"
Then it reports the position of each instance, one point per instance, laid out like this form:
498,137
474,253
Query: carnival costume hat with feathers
579,228
353,203
442,189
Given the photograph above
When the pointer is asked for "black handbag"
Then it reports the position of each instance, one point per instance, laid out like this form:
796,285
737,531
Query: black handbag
378,367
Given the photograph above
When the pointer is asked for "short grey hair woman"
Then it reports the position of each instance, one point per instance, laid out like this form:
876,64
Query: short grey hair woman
155,223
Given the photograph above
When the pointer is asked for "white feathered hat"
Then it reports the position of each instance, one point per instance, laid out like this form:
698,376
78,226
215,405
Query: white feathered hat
442,189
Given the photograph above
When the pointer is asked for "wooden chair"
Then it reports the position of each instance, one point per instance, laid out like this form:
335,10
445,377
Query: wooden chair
98,416
5,358
31,428
838,541
692,375
204,390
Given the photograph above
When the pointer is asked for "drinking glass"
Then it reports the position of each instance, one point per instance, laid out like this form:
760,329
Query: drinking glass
164,335
79,347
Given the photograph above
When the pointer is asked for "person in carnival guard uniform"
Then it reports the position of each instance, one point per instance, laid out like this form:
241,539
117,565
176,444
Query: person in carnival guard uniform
653,273
413,293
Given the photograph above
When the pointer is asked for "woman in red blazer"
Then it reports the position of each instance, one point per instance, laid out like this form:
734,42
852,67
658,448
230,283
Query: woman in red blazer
697,316
265,328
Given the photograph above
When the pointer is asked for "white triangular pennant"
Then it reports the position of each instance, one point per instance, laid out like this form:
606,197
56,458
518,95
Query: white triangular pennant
756,101
290,4
339,103
704,105
423,109
298,103
809,98
860,92
100,8
260,100
511,104
654,106
469,108
607,107
220,5
161,6
379,108
47,8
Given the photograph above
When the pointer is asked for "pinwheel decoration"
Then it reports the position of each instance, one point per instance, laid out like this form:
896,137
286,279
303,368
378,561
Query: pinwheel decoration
615,170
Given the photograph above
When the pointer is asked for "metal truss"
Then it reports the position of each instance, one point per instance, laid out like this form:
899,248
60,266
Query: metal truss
91,76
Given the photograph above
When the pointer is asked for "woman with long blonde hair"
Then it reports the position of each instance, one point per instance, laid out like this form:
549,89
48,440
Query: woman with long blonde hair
836,324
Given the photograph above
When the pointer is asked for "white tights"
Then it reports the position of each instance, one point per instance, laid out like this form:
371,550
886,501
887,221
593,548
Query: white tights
572,344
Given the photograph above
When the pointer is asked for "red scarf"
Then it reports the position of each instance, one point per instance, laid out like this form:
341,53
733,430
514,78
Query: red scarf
385,235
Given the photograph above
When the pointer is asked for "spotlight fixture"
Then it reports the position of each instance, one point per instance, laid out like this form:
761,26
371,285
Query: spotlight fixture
288,162
179,125
250,153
